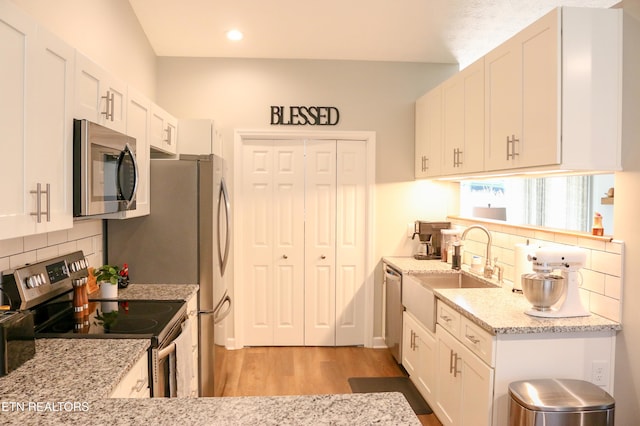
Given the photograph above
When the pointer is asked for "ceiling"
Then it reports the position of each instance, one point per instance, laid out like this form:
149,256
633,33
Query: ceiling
442,31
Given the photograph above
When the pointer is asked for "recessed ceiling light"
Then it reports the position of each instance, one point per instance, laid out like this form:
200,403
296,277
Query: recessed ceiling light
234,35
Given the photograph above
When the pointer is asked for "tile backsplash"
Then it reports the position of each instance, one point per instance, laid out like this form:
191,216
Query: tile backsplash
86,235
602,280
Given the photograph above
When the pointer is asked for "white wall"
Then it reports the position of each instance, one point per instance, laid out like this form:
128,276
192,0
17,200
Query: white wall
371,96
106,31
627,226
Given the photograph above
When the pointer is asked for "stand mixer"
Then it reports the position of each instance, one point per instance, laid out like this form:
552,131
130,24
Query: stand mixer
555,296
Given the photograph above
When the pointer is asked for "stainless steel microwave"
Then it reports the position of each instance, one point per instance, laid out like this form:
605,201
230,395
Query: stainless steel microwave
105,172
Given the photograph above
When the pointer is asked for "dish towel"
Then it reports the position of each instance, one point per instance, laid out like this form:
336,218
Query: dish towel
184,362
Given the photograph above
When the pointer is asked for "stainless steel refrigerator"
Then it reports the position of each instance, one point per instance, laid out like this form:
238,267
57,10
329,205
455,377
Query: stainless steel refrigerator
185,240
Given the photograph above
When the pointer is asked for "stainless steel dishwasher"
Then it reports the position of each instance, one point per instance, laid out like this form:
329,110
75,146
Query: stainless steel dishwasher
393,311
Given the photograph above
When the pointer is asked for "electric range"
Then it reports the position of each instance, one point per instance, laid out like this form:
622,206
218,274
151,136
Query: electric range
45,290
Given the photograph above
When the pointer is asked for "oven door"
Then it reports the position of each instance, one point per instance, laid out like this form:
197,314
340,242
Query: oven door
105,170
162,365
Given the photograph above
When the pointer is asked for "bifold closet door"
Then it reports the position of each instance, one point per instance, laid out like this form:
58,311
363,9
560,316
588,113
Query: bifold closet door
335,200
351,213
273,237
320,243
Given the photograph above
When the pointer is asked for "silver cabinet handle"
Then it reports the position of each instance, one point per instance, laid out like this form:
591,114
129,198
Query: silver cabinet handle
168,139
38,213
511,142
445,318
473,339
451,367
284,256
455,366
109,109
140,384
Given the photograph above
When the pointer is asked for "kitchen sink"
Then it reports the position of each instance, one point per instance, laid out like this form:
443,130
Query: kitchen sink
419,299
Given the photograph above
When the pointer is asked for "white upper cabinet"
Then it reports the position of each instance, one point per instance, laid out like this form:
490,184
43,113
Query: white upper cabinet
36,82
138,126
99,97
164,131
463,121
552,102
199,137
428,136
553,94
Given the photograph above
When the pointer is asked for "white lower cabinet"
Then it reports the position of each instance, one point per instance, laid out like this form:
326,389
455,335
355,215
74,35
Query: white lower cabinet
464,389
419,355
136,383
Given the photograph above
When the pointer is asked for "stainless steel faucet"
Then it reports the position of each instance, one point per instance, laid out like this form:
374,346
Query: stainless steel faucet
488,269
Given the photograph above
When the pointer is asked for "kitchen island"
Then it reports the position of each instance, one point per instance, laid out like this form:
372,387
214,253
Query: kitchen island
69,382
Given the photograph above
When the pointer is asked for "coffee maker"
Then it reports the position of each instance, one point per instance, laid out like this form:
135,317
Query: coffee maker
429,234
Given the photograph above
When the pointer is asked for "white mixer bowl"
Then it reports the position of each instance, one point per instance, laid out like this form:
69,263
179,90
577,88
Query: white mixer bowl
543,290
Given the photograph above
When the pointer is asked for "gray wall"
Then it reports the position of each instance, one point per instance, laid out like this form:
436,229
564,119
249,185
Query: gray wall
371,96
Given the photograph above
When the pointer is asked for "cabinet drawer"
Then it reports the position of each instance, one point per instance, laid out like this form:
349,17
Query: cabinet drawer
136,382
478,340
448,318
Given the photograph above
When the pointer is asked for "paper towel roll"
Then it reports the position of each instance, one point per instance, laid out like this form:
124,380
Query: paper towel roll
522,265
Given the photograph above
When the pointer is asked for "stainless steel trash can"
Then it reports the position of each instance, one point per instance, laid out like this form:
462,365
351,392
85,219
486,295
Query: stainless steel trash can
559,402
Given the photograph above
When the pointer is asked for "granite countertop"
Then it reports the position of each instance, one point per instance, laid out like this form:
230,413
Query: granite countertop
343,409
69,381
72,370
153,292
498,310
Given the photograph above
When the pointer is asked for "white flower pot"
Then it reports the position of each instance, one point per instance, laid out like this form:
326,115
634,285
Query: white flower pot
108,290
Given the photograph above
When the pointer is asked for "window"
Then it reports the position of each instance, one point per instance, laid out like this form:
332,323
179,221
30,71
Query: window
562,202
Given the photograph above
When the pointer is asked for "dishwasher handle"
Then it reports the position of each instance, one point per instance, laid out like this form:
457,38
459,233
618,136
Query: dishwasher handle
392,272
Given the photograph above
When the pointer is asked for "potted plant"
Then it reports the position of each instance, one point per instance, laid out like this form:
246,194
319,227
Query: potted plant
107,277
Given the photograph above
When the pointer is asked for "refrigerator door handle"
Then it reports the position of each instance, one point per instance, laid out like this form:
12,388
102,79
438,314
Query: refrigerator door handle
223,199
219,317
217,307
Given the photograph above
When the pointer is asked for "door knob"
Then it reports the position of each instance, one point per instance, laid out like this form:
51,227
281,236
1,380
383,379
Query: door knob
323,257
284,256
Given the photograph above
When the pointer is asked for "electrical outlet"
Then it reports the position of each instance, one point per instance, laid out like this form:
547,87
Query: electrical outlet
410,229
600,373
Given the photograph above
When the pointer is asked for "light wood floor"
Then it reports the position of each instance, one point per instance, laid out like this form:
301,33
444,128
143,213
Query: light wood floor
269,371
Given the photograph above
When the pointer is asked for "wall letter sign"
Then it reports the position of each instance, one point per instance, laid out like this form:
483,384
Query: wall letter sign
304,116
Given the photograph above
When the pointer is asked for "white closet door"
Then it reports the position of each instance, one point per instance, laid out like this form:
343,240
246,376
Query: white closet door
350,242
320,248
273,185
288,242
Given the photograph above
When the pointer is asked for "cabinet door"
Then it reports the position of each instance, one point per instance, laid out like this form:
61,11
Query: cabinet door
427,354
503,85
17,33
320,243
99,97
464,384
164,131
428,136
449,386
49,147
453,120
476,396
36,82
138,117
409,353
523,98
541,97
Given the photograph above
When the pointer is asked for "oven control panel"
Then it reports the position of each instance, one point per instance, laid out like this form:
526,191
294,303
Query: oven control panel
34,283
